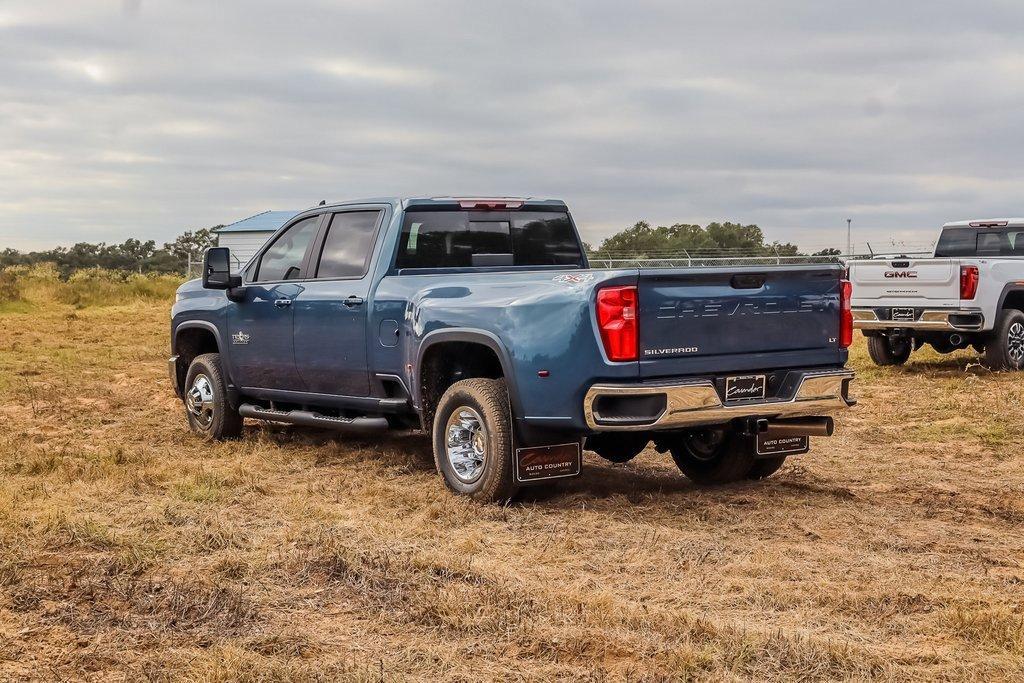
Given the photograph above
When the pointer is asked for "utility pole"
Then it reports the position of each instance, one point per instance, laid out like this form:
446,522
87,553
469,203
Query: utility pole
849,245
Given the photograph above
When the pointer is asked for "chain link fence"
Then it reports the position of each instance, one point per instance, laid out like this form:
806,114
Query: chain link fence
687,260
194,267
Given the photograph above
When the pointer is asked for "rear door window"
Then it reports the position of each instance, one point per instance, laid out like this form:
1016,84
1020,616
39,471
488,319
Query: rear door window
347,246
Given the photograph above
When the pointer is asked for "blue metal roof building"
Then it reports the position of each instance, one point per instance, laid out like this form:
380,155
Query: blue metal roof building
268,221
245,237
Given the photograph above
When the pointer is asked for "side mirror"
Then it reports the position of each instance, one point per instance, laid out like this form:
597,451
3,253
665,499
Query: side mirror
217,269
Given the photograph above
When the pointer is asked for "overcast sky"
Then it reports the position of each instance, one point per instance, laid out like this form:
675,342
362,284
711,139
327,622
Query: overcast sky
142,119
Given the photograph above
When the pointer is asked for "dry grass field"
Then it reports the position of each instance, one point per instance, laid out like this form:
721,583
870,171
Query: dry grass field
131,550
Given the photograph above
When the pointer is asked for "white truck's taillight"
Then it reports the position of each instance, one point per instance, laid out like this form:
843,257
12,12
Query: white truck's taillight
845,314
616,319
968,282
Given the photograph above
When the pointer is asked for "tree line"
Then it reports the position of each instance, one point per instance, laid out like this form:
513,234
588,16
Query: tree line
642,240
131,255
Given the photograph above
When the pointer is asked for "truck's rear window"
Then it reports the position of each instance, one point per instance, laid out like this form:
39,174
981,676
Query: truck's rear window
974,242
449,239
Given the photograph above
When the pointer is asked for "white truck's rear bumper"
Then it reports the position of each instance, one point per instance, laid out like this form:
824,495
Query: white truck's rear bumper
944,320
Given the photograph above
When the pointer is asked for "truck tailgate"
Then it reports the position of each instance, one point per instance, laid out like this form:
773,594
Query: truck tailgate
743,318
905,280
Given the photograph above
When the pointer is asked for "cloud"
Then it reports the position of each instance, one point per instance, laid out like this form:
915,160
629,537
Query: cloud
142,119
350,69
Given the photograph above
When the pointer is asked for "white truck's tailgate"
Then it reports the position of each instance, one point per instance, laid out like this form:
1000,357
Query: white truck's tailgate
905,281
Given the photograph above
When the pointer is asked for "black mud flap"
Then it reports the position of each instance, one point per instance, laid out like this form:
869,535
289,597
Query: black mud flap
541,463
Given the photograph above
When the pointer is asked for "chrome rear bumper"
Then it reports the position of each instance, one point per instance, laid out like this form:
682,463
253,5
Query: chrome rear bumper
697,402
970,321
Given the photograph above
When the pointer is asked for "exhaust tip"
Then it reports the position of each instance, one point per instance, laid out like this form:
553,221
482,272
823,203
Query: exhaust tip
803,426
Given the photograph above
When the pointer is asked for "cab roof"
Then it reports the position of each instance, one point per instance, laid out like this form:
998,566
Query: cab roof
455,201
987,223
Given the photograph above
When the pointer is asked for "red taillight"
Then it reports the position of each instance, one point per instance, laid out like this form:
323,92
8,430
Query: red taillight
483,204
968,282
616,318
845,314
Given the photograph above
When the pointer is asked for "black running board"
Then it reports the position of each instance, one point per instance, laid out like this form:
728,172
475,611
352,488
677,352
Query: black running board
306,418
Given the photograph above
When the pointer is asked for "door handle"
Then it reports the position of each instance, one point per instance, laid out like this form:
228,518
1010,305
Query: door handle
282,303
353,301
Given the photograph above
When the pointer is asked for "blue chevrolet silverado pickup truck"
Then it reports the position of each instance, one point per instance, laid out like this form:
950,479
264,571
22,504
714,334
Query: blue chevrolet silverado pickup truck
479,321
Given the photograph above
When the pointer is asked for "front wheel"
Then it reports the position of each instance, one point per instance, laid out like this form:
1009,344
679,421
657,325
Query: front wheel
473,440
888,350
206,400
713,456
1005,347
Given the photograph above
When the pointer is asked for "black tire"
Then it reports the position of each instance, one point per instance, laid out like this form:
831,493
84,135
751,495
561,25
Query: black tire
713,456
617,447
887,351
490,478
206,400
765,467
1004,349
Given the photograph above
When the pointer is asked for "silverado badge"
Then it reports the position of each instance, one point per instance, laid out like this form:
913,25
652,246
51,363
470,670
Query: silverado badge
239,338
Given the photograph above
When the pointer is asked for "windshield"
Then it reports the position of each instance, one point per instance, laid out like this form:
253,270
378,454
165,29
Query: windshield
450,239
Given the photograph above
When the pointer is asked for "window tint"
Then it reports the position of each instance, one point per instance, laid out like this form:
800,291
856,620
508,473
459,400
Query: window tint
283,260
957,242
348,244
545,239
1003,243
974,242
449,239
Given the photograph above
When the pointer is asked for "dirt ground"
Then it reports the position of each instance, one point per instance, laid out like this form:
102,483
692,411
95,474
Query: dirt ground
129,549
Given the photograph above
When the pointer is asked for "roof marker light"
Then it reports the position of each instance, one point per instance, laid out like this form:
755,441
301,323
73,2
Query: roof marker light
490,204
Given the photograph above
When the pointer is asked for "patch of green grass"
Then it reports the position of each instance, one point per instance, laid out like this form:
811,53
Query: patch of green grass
16,307
203,487
82,533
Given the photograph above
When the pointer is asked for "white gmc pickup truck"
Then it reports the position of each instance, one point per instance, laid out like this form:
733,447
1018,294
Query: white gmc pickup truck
969,293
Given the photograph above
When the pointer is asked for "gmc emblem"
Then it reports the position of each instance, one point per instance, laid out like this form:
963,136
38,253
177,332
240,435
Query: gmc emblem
905,274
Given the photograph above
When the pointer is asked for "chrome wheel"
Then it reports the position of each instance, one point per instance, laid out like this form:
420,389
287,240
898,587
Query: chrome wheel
1015,342
466,444
199,401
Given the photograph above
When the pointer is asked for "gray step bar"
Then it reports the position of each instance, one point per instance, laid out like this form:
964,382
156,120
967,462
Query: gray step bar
305,418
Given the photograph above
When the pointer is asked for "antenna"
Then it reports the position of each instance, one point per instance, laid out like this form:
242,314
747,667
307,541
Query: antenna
322,202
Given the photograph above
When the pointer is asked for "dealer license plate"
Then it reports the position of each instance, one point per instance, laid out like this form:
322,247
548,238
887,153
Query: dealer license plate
782,445
548,462
745,388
